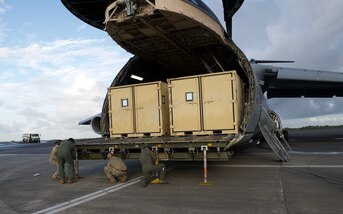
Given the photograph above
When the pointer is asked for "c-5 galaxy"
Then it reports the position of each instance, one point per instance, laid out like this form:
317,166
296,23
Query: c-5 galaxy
181,38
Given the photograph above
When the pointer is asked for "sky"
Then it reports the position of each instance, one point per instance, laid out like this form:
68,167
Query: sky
55,69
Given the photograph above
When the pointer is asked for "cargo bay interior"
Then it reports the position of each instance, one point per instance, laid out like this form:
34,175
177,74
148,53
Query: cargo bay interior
163,50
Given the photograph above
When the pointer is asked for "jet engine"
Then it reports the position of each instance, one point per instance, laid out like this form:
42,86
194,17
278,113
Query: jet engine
95,123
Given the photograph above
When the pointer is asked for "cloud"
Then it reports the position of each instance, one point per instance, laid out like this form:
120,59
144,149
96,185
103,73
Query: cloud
335,119
3,7
331,119
5,74
309,32
31,113
53,85
310,35
81,27
292,108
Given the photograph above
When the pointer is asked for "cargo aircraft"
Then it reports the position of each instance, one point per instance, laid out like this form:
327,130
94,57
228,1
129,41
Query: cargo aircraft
177,38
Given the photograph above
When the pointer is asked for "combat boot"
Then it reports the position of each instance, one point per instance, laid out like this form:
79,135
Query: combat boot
143,183
71,181
113,181
164,182
123,179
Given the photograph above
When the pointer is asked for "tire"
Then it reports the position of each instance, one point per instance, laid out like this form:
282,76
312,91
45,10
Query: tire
285,134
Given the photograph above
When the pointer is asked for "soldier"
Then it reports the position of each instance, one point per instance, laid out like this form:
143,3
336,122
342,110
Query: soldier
149,169
115,169
53,159
66,154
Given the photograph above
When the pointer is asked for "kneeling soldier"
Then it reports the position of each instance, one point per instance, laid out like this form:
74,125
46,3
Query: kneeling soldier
53,159
115,169
149,168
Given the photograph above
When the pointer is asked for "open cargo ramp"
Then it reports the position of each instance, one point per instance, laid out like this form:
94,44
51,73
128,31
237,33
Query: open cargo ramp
167,148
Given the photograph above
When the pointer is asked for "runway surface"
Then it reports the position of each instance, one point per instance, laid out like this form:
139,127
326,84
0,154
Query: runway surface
252,181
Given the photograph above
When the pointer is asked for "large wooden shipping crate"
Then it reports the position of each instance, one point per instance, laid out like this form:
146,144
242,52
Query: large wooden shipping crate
139,110
206,104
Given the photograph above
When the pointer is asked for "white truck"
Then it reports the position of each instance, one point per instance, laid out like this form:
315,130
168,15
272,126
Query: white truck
31,138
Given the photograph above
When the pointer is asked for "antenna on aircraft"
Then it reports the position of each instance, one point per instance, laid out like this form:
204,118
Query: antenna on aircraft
254,61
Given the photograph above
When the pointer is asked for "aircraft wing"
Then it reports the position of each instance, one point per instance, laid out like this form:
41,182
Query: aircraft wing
292,82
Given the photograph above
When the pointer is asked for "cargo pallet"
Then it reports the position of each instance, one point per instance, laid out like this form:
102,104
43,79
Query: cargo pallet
203,133
137,135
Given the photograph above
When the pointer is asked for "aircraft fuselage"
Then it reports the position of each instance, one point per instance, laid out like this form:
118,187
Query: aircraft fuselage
177,38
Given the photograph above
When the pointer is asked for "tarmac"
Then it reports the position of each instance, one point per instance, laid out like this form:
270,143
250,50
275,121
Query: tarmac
252,181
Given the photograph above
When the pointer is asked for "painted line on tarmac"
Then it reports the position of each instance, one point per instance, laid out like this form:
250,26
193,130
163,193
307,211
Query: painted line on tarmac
77,201
298,153
89,197
276,166
8,154
315,153
5,155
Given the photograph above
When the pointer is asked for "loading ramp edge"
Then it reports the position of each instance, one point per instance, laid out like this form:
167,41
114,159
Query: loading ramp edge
168,148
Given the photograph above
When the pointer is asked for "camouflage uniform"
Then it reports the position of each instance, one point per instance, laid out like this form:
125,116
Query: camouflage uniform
149,168
115,169
53,160
66,154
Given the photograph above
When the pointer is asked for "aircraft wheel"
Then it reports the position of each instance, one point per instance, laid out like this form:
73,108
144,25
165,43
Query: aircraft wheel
285,134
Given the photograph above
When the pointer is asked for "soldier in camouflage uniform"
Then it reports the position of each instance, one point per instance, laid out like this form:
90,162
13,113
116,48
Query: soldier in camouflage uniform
150,169
66,154
53,159
115,170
